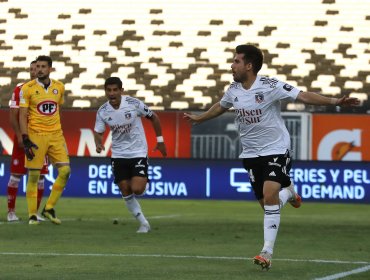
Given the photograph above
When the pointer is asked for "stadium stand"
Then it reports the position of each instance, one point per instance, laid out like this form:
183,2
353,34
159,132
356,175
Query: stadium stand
177,54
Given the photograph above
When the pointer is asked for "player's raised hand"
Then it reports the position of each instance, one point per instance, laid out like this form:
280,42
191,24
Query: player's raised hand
161,147
28,145
348,101
191,118
99,148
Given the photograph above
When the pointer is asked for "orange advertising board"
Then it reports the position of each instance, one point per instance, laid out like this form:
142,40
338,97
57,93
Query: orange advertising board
78,129
341,137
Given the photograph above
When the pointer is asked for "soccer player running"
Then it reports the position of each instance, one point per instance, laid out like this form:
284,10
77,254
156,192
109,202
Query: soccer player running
129,147
42,135
264,137
17,169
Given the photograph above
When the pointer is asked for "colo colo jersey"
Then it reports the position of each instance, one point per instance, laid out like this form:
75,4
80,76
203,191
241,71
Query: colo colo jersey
261,126
128,136
43,105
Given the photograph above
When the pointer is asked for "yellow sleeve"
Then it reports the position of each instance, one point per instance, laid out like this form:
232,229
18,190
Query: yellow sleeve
24,97
62,89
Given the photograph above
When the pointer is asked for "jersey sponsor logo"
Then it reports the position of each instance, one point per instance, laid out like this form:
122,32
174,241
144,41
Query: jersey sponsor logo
132,101
139,165
147,111
248,116
274,164
47,107
103,107
287,87
259,97
266,81
233,85
121,128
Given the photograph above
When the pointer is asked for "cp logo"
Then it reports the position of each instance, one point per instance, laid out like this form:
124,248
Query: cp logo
47,107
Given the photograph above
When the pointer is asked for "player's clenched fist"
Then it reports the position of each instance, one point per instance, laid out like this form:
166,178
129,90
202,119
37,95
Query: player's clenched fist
28,145
99,148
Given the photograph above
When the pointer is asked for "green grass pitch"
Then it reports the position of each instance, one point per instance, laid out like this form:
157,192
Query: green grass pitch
190,239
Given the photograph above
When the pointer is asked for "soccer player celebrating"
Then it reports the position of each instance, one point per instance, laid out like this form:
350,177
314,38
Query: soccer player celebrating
264,137
17,169
42,135
129,147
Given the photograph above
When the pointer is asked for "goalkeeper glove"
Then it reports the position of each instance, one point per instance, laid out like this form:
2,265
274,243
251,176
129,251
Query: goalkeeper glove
28,145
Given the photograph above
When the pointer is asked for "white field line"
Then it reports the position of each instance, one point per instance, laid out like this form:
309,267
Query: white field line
171,256
121,219
102,219
344,274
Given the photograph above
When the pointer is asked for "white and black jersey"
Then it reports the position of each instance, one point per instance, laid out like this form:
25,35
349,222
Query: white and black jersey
261,126
128,136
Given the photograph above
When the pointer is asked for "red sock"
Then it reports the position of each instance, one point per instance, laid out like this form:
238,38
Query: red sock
12,196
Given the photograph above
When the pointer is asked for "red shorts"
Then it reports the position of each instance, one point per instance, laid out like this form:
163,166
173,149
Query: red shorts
17,163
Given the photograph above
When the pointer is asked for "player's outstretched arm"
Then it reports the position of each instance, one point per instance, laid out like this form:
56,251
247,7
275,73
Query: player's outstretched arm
160,146
213,112
317,99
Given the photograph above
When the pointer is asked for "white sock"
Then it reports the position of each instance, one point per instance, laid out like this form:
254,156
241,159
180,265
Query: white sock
13,181
284,196
271,224
40,184
134,207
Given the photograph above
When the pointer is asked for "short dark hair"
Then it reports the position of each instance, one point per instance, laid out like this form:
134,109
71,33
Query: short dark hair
113,81
253,55
45,58
33,61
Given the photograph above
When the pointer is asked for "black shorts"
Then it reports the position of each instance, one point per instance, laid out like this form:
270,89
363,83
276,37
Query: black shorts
126,168
268,168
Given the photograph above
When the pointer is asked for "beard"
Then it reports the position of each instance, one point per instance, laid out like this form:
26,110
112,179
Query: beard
239,79
236,79
42,76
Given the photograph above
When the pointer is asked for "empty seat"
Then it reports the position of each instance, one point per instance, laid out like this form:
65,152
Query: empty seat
187,47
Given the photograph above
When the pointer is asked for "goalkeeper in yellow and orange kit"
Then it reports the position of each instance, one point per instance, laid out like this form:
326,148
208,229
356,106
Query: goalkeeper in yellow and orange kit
42,134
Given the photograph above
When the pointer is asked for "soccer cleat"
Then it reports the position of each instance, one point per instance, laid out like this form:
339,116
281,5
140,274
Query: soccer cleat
144,228
264,260
39,218
33,220
12,217
50,214
296,199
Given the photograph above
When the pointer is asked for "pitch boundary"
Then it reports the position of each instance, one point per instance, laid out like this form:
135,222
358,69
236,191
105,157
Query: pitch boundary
344,274
175,256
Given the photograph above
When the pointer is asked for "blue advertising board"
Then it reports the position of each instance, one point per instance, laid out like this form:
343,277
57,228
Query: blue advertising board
210,179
